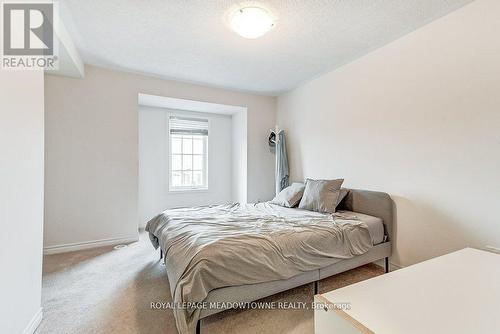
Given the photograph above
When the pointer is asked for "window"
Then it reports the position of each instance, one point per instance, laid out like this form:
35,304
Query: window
188,153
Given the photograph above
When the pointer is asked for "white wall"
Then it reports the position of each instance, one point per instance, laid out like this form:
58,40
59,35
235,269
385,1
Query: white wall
154,194
92,150
21,199
420,119
239,158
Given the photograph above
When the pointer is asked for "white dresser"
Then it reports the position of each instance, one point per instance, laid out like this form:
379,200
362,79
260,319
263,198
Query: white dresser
456,293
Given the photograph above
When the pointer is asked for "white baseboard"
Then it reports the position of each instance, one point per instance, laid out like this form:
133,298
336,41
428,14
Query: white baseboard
34,323
56,249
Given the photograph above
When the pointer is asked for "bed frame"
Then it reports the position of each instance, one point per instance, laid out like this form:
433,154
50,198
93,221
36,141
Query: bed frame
372,203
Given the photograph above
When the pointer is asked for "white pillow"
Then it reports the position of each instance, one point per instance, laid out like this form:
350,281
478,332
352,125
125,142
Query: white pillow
290,196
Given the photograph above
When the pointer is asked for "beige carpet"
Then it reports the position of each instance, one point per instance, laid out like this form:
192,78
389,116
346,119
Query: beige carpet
110,291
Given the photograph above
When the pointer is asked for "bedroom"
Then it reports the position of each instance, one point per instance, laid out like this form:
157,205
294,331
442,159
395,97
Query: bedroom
172,105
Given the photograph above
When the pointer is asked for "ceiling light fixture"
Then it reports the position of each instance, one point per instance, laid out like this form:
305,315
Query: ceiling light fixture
251,22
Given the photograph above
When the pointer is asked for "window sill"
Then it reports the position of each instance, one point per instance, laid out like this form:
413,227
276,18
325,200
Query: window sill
188,191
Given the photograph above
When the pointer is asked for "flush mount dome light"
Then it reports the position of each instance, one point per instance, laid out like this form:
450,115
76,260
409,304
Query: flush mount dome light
251,22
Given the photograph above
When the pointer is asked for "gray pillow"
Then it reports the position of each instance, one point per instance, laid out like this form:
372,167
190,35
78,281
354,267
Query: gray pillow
290,196
321,195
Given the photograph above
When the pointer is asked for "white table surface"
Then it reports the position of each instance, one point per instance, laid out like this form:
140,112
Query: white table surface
455,293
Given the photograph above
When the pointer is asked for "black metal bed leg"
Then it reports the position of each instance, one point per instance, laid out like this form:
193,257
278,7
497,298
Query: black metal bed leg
316,287
386,265
161,253
198,327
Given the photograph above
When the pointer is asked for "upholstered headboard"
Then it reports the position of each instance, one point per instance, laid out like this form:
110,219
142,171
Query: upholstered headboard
372,203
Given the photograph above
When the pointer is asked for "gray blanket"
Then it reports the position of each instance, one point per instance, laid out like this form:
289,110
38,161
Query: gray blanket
226,245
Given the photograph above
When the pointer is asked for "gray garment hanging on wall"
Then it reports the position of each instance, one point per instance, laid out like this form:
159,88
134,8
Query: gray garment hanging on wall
282,173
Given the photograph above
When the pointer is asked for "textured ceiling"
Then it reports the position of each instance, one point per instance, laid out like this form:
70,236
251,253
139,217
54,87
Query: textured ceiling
189,41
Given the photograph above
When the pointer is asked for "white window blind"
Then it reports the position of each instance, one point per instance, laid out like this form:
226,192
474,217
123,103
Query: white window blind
188,126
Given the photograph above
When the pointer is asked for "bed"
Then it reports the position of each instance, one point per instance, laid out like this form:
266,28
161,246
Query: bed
225,254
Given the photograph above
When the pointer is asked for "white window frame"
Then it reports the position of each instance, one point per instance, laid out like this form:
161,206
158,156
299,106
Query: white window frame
178,189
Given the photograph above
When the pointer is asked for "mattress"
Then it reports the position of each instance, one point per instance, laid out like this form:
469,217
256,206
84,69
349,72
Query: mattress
375,225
